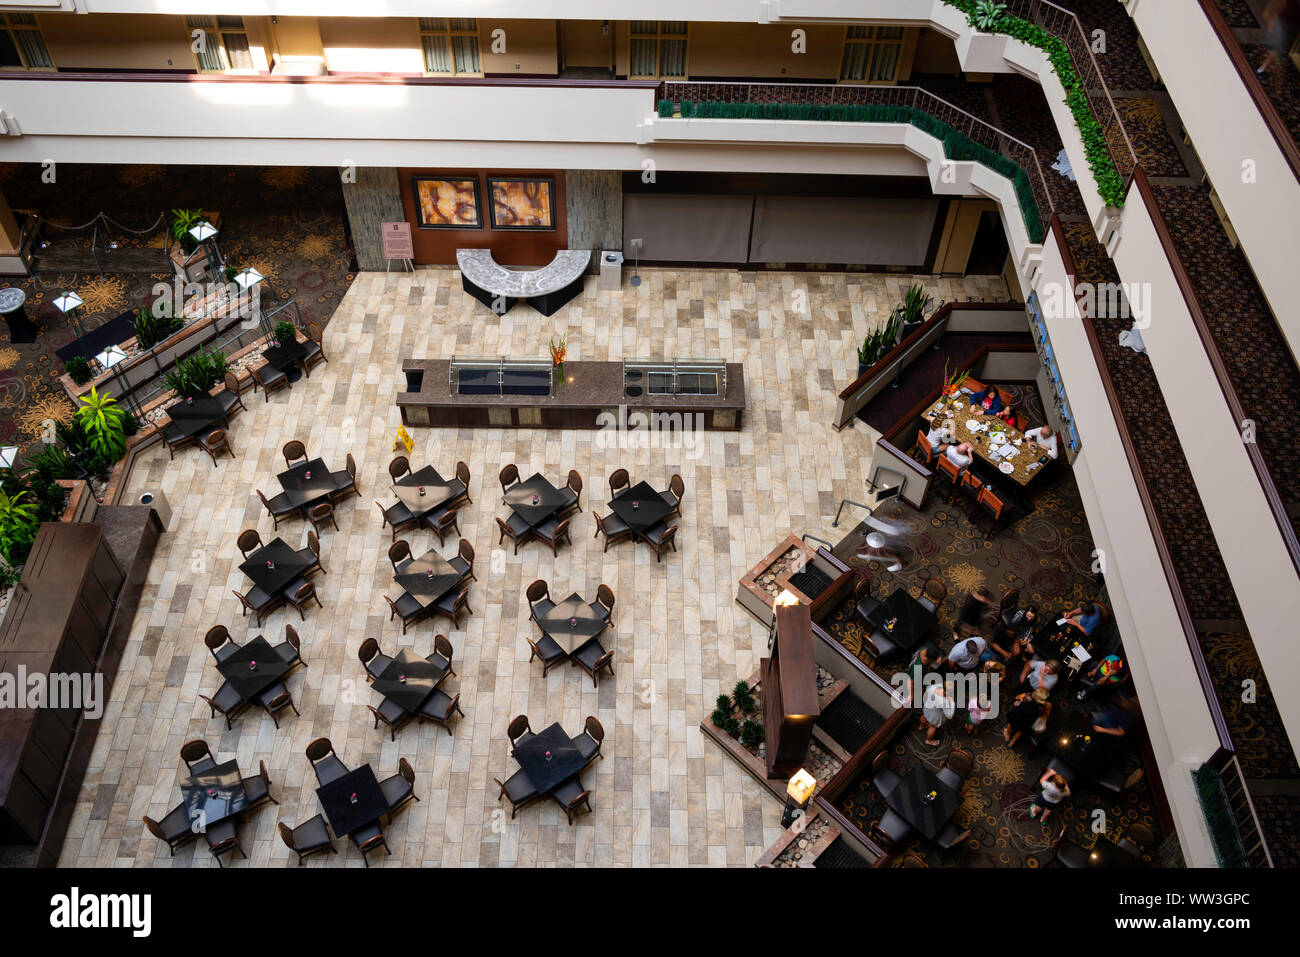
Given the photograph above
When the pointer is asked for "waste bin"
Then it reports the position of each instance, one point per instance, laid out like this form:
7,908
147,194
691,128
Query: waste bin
611,269
155,499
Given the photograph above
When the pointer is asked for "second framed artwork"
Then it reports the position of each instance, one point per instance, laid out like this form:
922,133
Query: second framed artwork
446,203
522,203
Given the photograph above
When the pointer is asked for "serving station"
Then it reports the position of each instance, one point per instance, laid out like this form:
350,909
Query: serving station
529,393
500,287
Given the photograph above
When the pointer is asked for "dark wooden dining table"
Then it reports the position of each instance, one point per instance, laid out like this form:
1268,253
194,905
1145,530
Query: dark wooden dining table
424,490
287,358
286,566
534,499
573,622
916,623
345,814
307,483
1058,641
213,795
196,416
253,668
409,680
1104,853
640,506
909,798
549,758
1073,740
428,578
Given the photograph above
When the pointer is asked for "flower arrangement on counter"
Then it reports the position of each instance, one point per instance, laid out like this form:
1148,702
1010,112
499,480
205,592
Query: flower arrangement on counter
558,350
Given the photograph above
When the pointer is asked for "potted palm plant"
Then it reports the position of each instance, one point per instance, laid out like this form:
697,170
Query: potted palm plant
915,305
879,342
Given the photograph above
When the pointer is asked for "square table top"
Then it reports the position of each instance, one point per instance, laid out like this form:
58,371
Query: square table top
197,417
336,799
421,678
283,357
549,500
1057,641
572,622
226,800
249,681
915,624
1074,741
425,589
288,566
437,490
303,490
650,509
907,799
566,760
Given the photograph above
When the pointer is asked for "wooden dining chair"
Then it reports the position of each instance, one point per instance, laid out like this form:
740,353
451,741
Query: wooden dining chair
258,602
509,478
372,659
275,699
554,531
538,596
279,507
408,608
400,466
547,649
290,650
461,496
659,537
324,761
320,514
991,510
229,398
345,482
618,480
315,353
311,555
227,702
399,788
390,714
370,838
571,795
293,451
220,643
299,594
175,829
175,439
397,517
676,492
572,494
605,598
588,743
310,837
933,594
198,756
441,655
1008,605
399,555
946,474
518,730
214,442
514,528
921,449
452,604
439,707
612,527
269,379
248,540
971,486
464,560
593,659
223,839
257,789
442,522
519,790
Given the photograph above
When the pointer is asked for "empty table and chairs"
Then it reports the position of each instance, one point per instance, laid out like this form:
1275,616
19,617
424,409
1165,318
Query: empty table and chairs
925,802
534,504
550,763
644,511
252,673
352,800
278,572
409,685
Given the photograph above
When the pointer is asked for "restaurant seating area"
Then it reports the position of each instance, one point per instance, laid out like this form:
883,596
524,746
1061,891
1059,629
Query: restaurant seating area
657,797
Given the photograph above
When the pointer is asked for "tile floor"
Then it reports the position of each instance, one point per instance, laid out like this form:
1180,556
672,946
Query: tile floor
663,795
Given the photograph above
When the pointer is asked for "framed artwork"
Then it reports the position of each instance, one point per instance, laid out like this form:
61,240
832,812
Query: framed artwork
446,203
522,203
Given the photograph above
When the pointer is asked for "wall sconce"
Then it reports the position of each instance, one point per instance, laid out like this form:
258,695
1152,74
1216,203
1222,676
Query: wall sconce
798,791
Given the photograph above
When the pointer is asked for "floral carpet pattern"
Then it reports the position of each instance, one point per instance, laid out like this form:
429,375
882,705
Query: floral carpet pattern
286,222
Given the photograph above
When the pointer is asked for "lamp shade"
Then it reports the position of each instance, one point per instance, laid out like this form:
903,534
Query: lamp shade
801,786
67,301
249,277
7,456
203,231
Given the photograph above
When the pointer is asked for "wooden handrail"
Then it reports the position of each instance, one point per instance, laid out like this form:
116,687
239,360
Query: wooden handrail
1250,80
1262,473
376,79
1147,500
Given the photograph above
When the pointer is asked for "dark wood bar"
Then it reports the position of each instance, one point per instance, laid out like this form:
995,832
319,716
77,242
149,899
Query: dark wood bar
590,398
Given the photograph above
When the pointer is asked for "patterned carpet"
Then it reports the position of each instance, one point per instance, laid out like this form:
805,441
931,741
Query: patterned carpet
1237,13
287,222
1048,557
1149,136
1282,84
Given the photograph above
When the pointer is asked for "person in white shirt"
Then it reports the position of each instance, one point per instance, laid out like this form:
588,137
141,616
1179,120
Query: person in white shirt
1055,790
1045,438
959,455
1040,674
938,438
966,653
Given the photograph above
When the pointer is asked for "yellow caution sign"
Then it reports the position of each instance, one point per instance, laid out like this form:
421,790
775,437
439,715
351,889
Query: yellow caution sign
404,439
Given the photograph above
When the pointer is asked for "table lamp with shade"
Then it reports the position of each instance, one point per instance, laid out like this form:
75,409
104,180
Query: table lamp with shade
67,300
203,231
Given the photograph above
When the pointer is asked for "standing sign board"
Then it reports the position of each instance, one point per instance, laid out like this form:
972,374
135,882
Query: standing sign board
397,242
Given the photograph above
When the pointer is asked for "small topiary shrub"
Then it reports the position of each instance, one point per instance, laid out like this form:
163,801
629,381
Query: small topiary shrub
78,370
751,734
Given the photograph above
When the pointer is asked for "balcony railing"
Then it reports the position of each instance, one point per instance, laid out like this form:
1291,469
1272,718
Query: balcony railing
912,98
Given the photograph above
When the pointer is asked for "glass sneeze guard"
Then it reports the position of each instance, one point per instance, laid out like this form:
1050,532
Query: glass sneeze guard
500,376
677,377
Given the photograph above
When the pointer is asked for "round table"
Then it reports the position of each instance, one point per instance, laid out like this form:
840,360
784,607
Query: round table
14,312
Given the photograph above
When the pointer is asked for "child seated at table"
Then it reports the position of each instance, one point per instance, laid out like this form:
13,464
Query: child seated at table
989,401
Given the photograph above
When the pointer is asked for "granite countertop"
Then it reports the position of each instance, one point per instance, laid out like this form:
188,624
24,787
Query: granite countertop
478,266
594,385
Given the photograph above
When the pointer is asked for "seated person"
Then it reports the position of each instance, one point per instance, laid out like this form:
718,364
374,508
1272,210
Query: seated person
1012,640
990,401
1045,438
1008,415
959,455
1041,674
1104,673
965,654
1086,617
938,438
1117,718
1055,790
1028,713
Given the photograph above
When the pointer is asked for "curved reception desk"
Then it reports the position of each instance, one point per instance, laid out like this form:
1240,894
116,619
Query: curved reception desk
545,289
628,396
